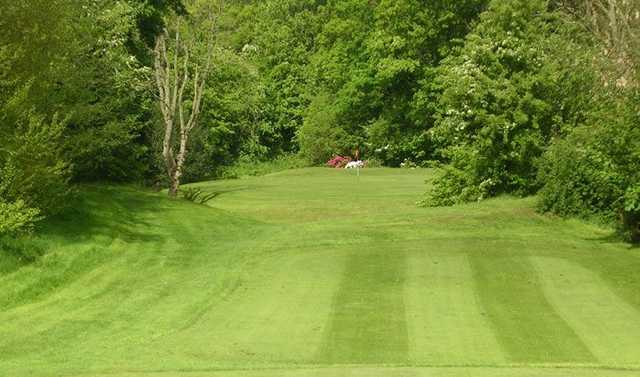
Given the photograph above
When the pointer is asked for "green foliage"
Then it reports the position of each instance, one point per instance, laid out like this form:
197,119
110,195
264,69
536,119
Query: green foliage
278,36
17,218
490,90
374,56
108,101
82,67
459,181
632,199
248,166
320,136
524,80
74,99
505,95
355,58
33,173
149,17
407,43
231,123
578,178
595,171
374,163
631,213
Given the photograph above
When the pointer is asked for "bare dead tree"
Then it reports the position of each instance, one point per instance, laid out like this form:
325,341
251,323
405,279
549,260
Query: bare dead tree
616,24
180,74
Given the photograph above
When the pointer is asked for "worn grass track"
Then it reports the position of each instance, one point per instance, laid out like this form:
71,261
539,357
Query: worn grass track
315,273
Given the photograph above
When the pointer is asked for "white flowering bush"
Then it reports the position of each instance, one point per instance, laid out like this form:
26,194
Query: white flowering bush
505,95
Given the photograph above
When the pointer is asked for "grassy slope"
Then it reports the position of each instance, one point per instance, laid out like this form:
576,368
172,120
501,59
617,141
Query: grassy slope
316,272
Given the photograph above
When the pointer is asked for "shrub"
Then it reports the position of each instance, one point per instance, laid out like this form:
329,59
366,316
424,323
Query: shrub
320,137
505,95
408,164
338,162
595,171
578,179
459,182
631,213
17,218
373,163
247,166
33,173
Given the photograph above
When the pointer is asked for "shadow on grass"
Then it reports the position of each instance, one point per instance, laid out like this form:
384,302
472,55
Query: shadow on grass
93,219
218,191
615,237
95,211
113,212
17,253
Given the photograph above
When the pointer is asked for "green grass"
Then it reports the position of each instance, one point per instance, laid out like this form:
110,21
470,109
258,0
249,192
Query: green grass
318,273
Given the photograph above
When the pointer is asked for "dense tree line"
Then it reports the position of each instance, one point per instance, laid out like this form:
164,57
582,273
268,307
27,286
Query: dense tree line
503,96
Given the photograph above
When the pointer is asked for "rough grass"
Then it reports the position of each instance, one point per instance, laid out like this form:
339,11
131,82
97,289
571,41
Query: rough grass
316,272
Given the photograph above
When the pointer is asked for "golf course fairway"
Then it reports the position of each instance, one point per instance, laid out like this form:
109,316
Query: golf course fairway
318,273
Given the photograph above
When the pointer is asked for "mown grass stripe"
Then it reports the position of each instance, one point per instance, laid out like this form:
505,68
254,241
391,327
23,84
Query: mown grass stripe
368,322
607,323
445,321
525,323
171,288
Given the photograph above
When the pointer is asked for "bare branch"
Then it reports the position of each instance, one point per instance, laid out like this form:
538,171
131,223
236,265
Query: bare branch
176,70
183,85
173,76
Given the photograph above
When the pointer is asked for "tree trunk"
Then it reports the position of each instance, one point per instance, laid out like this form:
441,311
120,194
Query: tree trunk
180,118
179,166
174,187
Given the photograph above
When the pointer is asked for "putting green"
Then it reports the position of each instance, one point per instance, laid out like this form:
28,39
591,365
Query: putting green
319,272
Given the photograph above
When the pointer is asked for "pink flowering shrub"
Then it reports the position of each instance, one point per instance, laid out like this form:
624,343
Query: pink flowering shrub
338,162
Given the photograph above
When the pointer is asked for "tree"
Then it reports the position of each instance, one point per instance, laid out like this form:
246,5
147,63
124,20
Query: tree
377,59
34,172
520,80
595,170
179,64
616,25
